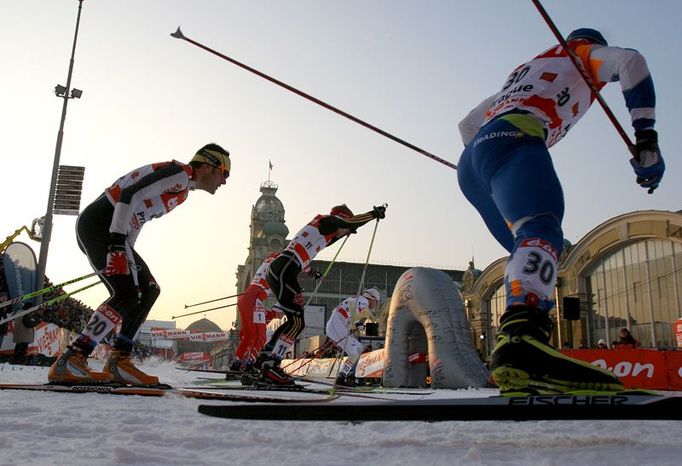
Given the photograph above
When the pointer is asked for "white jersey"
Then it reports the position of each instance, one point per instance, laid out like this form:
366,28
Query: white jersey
351,312
147,193
262,272
342,318
551,88
308,242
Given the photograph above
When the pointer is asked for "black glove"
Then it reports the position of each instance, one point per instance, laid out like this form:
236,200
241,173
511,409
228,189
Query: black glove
379,211
3,327
647,161
31,320
314,273
359,324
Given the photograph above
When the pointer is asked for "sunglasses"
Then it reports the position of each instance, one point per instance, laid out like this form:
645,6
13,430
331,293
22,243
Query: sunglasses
213,160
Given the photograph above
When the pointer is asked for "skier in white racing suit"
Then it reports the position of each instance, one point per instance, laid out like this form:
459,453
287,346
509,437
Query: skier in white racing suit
343,325
106,231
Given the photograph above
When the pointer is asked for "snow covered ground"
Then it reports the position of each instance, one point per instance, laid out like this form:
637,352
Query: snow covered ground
40,428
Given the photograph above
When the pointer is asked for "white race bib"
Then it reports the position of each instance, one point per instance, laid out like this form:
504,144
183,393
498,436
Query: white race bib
102,322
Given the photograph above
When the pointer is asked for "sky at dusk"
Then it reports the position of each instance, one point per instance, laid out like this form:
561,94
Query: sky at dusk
414,69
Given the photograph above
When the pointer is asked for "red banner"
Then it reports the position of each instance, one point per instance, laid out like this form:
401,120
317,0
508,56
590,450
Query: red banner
674,369
194,357
677,327
637,368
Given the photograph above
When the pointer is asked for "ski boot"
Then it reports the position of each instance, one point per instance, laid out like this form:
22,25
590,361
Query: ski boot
19,356
523,362
120,366
271,373
251,375
234,371
71,367
346,380
235,365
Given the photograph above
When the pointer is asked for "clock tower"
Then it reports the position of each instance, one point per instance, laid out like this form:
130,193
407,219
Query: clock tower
268,232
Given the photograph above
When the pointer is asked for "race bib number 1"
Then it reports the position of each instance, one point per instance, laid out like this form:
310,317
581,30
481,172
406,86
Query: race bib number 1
103,321
259,317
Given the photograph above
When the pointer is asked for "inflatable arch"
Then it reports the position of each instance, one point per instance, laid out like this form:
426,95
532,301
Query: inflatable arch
426,315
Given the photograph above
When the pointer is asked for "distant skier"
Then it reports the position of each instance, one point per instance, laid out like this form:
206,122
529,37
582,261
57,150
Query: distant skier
322,231
106,232
345,320
253,318
506,172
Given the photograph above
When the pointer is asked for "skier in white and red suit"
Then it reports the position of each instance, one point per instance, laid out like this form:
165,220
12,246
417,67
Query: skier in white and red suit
253,318
343,325
507,174
322,231
106,231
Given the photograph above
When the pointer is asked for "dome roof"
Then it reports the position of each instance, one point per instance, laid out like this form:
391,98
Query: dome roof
275,228
203,325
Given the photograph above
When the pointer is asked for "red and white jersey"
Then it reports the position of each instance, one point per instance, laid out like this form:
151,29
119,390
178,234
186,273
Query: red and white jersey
309,241
259,277
349,312
551,88
147,193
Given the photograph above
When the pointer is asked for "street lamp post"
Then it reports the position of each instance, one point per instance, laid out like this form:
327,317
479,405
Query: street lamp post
66,93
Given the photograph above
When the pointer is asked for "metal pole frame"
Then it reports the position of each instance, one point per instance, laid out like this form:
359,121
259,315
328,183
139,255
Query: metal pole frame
47,227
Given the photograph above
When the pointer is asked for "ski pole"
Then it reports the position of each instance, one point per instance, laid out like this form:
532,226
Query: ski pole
44,290
585,76
21,313
205,310
324,275
194,366
371,243
179,35
361,284
319,282
214,300
328,343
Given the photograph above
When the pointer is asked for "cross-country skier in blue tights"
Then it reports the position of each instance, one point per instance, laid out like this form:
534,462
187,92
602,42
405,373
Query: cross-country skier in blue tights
506,172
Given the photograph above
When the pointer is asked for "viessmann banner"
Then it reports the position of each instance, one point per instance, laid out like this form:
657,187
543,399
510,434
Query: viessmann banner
177,334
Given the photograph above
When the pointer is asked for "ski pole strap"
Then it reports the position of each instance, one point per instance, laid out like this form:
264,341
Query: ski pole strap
45,304
33,294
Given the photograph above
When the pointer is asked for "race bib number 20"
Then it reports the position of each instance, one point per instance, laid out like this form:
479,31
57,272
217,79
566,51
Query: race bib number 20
103,321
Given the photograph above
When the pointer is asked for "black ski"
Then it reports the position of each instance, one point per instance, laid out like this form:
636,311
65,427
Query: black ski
533,408
166,390
373,389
